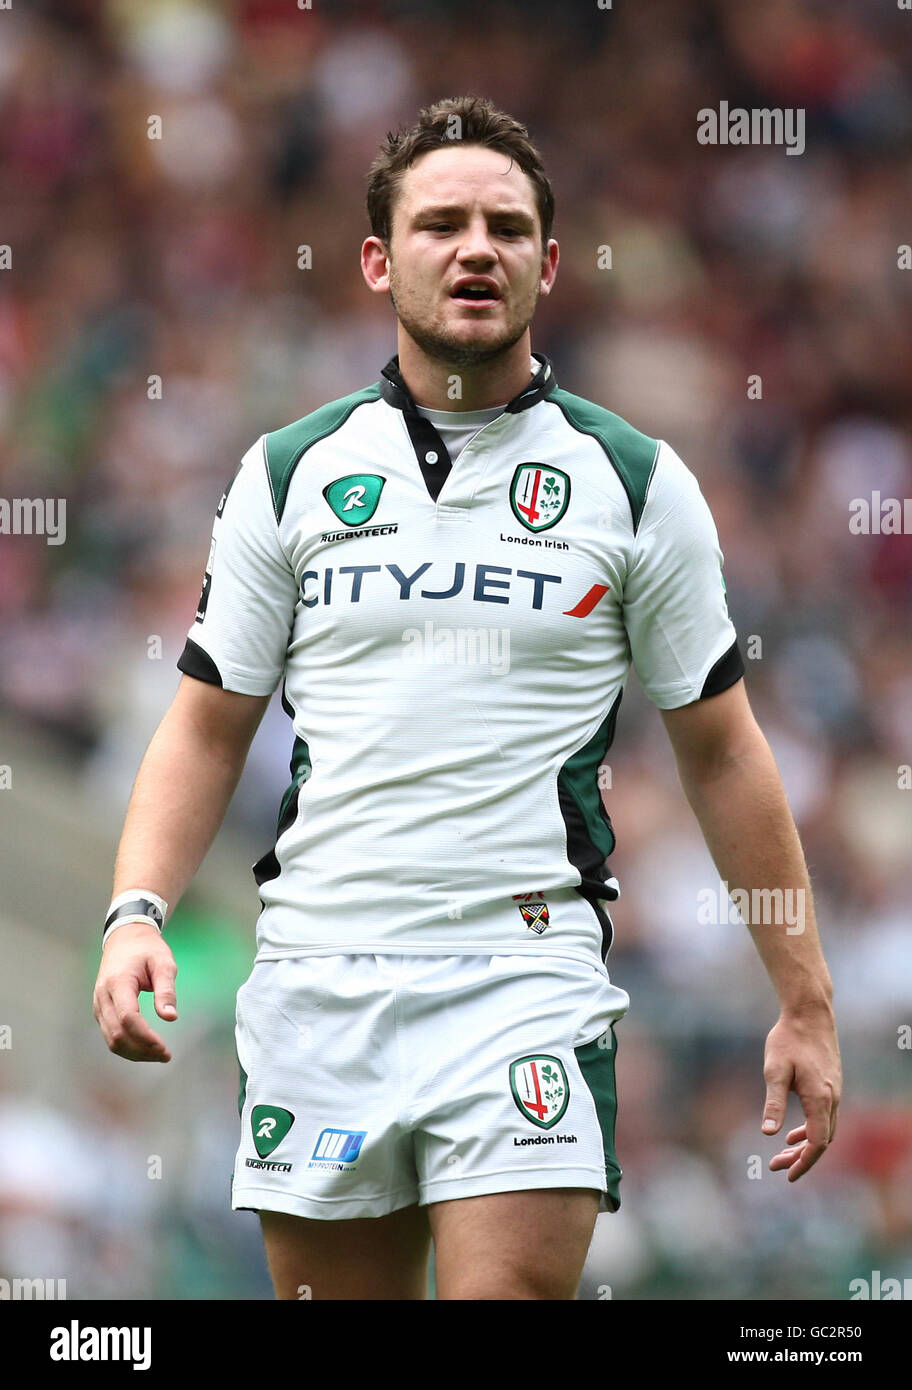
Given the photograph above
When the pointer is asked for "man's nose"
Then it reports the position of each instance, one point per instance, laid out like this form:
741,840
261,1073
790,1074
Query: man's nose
476,242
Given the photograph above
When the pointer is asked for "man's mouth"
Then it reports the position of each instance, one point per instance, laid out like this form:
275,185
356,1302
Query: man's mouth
478,293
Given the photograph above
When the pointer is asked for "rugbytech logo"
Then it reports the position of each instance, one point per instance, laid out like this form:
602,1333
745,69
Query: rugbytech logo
270,1124
354,498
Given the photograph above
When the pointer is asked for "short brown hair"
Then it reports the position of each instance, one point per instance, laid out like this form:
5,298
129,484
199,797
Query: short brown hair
479,123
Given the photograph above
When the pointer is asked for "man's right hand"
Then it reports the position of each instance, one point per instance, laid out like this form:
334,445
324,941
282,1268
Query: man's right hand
135,958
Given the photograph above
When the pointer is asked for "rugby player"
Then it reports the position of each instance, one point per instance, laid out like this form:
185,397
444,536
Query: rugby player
450,571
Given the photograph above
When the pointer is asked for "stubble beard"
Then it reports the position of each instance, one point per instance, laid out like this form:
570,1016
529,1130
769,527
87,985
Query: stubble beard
445,347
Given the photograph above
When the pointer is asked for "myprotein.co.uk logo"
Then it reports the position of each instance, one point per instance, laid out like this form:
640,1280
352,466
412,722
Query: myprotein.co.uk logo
337,1149
354,498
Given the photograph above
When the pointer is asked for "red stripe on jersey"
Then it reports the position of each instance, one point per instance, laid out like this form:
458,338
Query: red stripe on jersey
588,602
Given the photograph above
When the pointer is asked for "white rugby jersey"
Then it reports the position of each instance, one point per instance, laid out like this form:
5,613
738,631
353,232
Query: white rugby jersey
453,641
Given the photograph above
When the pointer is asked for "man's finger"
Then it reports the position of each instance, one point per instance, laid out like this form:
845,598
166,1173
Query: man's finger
777,1089
163,973
797,1159
785,1158
817,1131
125,999
807,1158
817,1110
131,1029
104,1012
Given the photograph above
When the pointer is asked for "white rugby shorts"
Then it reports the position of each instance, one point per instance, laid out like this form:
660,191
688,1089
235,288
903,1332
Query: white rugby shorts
371,1082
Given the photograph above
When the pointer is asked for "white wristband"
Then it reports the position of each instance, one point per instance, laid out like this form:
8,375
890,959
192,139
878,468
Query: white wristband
136,905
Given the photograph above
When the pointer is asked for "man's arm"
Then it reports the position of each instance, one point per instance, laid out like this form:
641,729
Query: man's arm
182,791
731,781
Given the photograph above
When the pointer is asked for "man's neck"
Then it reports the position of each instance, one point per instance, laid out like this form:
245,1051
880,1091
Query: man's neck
431,380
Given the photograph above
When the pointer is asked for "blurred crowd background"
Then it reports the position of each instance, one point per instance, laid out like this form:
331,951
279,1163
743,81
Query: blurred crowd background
177,258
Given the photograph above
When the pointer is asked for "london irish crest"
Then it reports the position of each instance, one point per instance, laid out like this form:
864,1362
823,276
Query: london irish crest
539,495
540,1088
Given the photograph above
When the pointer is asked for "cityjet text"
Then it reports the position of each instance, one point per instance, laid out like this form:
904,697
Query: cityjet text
483,583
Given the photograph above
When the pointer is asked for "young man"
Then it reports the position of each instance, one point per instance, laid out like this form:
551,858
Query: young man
450,570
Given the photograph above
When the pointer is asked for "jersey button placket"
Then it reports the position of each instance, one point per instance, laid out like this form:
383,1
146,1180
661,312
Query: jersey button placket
459,493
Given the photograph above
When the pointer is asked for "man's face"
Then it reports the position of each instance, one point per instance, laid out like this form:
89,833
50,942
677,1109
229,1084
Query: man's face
464,212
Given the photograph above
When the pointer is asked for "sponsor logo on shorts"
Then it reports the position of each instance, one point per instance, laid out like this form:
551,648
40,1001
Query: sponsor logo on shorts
337,1149
535,916
540,1088
268,1166
270,1124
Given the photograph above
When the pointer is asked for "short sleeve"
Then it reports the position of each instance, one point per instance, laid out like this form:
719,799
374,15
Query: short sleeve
239,638
682,641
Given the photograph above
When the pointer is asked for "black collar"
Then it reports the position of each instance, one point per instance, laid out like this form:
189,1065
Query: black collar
395,392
